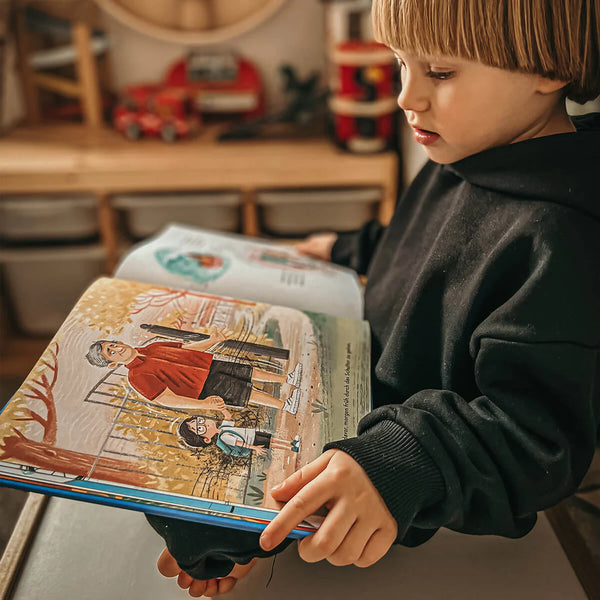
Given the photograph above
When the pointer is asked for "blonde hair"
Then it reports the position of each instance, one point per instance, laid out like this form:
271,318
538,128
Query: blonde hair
558,39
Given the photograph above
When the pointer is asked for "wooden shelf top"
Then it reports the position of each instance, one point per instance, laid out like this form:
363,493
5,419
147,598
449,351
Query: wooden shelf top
75,158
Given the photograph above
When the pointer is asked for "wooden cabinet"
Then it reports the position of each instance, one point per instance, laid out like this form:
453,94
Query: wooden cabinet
63,158
53,159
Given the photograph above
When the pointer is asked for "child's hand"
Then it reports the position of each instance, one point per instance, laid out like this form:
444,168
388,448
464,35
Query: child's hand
168,567
358,530
318,245
215,403
258,450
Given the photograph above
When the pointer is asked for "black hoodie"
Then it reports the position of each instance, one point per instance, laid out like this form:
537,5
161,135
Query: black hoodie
483,296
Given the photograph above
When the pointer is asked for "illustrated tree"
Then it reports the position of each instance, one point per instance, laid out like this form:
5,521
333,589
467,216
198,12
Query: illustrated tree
44,454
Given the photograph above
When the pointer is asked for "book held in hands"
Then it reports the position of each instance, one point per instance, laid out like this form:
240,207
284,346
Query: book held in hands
209,369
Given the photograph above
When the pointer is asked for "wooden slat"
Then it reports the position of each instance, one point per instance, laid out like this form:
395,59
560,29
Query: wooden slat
60,85
575,548
17,546
107,222
249,213
30,92
87,72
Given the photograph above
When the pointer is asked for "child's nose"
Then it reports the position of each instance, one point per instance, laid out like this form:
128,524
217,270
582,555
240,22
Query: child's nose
413,95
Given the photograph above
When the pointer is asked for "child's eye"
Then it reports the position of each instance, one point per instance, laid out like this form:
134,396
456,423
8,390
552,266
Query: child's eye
442,75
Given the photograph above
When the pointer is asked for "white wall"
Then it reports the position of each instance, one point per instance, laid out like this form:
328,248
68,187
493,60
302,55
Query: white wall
294,35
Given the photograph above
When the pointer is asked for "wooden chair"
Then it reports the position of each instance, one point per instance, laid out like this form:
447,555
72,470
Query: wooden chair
85,86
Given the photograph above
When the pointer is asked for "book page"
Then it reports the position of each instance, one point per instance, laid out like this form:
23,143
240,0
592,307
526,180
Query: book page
242,267
184,404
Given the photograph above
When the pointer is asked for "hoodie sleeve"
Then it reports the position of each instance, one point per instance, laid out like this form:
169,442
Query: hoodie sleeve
522,438
487,465
355,249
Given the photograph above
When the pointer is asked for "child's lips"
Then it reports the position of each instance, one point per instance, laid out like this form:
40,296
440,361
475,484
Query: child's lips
425,137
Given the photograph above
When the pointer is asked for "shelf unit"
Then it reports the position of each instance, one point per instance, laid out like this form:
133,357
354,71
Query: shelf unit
71,158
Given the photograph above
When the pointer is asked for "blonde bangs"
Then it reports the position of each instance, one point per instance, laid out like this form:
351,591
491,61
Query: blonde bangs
440,27
558,39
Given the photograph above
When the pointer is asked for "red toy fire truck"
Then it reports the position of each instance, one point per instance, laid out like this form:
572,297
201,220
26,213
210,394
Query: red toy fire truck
199,85
150,110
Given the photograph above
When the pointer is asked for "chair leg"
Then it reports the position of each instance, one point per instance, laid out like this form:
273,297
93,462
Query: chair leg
30,91
87,73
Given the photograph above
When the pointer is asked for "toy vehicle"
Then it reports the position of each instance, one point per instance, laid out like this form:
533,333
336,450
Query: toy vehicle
199,85
151,110
223,84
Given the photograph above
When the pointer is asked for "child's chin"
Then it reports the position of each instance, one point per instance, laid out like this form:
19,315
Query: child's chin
444,158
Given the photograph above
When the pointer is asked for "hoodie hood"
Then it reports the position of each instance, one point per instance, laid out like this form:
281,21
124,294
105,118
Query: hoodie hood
535,168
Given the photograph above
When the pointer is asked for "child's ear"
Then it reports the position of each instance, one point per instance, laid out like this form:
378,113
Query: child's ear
207,439
549,86
112,365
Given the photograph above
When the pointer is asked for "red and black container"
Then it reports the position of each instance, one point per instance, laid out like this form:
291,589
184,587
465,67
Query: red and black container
363,105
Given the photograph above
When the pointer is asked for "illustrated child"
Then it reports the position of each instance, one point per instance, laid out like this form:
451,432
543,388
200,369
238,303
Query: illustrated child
199,267
200,432
178,376
482,297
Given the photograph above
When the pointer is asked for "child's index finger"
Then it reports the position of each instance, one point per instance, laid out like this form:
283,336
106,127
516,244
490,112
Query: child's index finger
296,481
304,504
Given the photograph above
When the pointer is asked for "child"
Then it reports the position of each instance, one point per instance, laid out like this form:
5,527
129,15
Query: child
483,293
201,432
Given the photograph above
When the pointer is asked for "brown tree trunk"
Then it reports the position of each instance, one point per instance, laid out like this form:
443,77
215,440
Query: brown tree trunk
46,456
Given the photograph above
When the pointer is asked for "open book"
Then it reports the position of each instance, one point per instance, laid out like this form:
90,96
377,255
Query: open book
189,403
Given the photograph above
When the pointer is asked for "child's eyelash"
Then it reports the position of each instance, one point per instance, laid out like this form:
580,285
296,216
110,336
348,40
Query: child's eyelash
442,75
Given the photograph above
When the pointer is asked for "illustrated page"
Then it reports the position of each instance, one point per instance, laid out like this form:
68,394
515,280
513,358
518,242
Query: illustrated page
155,399
240,267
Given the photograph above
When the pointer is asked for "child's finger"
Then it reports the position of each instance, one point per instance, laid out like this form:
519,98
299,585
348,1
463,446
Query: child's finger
329,537
212,588
167,565
303,504
295,482
197,588
376,547
184,580
226,584
353,546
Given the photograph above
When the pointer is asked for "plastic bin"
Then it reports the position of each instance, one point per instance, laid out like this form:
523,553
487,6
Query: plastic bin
306,211
37,218
43,284
145,214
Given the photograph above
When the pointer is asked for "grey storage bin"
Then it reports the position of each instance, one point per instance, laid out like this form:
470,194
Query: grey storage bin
300,212
146,214
47,218
43,284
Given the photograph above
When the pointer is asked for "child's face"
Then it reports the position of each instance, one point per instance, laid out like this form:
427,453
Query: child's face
458,107
204,427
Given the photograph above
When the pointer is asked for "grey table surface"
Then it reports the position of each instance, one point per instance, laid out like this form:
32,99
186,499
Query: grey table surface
92,552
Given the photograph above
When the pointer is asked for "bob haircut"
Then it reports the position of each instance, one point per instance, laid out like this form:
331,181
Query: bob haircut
189,437
558,39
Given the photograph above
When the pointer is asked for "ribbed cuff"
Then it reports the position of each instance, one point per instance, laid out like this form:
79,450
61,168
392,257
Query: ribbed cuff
342,249
208,551
401,470
354,249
